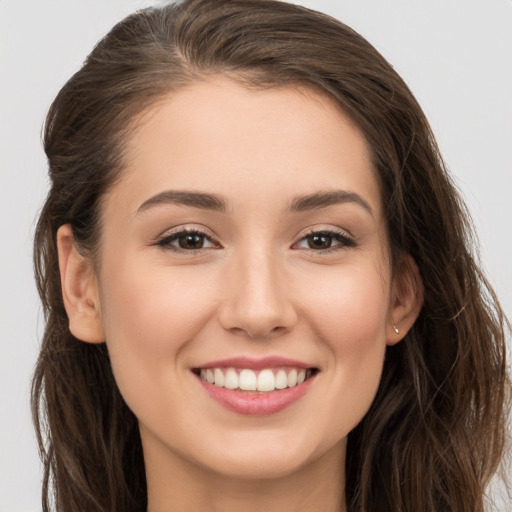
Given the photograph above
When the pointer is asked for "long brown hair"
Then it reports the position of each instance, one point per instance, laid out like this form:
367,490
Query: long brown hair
435,433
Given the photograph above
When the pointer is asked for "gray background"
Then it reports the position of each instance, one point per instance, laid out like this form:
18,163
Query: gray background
454,54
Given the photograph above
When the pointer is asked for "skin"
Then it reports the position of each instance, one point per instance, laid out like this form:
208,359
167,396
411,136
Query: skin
256,288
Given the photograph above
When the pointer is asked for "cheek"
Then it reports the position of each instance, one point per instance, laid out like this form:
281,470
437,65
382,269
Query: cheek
350,323
351,308
150,314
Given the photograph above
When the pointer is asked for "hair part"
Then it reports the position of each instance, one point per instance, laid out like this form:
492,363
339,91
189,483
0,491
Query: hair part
435,433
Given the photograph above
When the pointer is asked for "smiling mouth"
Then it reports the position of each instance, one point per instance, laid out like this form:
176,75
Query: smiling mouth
262,381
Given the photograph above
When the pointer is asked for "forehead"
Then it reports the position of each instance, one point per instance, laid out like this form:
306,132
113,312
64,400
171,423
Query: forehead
219,136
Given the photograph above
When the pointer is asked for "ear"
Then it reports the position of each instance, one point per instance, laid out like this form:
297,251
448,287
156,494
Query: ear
406,300
79,289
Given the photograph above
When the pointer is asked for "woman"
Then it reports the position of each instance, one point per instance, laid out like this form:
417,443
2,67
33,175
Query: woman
258,278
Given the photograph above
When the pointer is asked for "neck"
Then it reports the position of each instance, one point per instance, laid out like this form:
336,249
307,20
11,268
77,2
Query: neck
175,484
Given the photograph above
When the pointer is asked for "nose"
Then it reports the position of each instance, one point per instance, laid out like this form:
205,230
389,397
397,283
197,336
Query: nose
257,301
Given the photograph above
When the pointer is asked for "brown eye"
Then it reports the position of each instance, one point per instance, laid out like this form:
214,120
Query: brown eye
325,241
186,240
191,241
319,241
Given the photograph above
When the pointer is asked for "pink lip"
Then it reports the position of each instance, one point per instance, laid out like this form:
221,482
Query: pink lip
254,403
255,364
251,403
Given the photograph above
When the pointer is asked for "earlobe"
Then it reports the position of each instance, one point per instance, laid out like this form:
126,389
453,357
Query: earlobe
79,289
407,299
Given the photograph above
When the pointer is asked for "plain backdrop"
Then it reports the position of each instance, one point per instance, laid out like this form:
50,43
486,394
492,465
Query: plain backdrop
456,56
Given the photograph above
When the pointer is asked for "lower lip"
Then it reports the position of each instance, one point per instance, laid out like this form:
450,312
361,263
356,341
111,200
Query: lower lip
256,404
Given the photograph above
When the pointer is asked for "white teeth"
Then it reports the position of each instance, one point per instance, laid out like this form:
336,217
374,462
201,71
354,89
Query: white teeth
247,380
265,381
281,380
219,377
231,379
292,378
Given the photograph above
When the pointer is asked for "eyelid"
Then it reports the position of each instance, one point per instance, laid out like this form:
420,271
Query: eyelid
173,233
347,241
344,238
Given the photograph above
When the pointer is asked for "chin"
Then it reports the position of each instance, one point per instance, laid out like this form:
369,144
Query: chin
270,458
260,466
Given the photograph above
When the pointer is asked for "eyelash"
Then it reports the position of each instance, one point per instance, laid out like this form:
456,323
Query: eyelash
345,241
166,241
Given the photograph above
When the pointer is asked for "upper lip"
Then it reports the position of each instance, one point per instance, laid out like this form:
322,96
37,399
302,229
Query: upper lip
255,363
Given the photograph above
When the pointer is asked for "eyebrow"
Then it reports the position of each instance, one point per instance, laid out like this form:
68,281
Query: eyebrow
186,198
324,199
216,203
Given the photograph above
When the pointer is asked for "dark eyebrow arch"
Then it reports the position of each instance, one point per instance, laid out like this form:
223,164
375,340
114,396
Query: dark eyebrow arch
185,198
329,198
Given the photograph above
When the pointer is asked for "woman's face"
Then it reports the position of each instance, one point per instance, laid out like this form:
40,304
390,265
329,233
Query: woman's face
246,243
